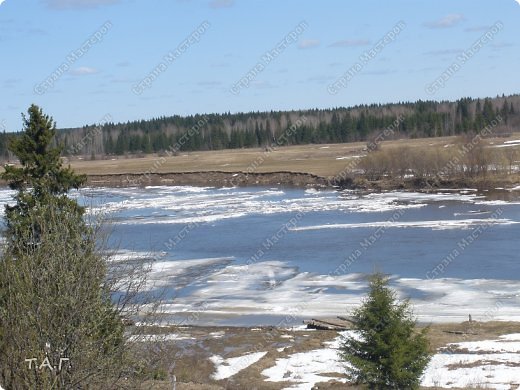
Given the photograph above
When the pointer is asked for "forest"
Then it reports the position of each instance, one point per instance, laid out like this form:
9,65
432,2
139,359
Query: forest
261,129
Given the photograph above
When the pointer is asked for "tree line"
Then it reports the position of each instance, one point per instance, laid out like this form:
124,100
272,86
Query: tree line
261,129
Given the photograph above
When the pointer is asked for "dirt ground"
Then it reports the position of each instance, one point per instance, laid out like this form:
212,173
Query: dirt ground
187,357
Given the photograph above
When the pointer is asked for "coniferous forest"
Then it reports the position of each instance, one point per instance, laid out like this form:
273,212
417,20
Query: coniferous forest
260,129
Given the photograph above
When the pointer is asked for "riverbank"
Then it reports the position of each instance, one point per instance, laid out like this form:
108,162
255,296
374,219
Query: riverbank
209,178
317,166
301,180
217,358
323,165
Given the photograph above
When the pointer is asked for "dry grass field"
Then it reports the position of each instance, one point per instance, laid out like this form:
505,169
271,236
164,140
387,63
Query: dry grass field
324,160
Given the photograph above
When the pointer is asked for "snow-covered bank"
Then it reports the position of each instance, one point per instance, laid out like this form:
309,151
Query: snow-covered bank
226,368
490,364
305,369
493,364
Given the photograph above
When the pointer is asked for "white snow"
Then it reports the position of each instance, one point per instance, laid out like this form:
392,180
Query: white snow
226,288
492,364
307,368
226,368
489,364
349,157
510,337
453,299
507,144
487,371
300,328
162,273
510,344
435,225
127,255
184,205
278,289
160,337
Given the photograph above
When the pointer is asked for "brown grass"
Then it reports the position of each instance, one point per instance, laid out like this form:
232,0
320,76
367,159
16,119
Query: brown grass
194,370
321,160
475,331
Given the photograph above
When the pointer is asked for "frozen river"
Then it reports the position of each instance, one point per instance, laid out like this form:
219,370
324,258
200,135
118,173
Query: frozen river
253,256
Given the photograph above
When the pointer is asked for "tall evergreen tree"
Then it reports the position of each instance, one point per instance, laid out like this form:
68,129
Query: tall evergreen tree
387,352
54,303
41,175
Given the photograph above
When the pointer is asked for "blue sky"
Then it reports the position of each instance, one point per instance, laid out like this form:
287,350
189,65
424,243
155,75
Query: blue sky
139,59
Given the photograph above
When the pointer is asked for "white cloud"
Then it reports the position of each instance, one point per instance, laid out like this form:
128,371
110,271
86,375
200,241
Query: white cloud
478,28
71,4
518,1
443,52
1,1
350,43
308,43
221,3
447,21
83,70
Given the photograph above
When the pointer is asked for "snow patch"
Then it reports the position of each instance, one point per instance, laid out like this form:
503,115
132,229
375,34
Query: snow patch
306,369
488,363
226,368
465,365
146,338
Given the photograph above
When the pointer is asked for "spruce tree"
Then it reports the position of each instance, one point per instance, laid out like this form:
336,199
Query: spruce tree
41,175
387,351
54,303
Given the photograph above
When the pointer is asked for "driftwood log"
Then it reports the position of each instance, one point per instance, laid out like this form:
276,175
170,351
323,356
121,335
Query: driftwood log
338,323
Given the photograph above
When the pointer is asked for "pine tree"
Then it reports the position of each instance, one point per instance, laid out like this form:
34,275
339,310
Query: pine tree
387,351
108,144
54,303
41,175
146,145
488,112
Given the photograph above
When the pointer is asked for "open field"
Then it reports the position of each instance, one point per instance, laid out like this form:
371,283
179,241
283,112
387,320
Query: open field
196,352
324,160
320,160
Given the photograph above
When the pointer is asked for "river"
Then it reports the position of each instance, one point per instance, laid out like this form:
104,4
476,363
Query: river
275,256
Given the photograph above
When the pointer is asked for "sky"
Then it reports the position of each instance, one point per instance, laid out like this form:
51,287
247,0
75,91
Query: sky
84,61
